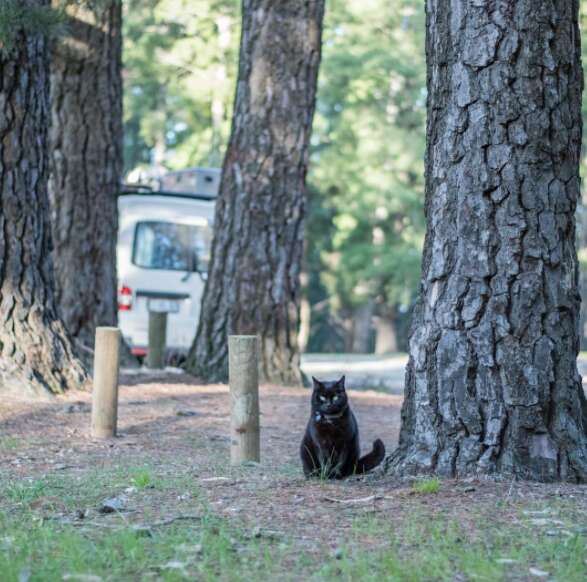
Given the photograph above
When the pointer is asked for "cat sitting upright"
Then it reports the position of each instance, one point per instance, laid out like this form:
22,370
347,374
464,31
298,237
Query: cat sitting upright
330,447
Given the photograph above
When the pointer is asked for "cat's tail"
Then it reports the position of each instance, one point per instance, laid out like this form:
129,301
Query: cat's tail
372,459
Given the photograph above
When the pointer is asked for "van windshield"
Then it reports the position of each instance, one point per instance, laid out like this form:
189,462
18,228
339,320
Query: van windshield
172,246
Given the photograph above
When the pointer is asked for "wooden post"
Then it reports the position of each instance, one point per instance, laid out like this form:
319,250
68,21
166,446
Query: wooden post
244,399
157,339
105,392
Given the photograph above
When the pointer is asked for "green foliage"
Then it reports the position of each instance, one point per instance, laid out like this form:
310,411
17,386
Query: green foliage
180,59
50,20
16,17
368,149
365,225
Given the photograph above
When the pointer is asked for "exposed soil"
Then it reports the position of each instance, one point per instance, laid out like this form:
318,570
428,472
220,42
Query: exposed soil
175,424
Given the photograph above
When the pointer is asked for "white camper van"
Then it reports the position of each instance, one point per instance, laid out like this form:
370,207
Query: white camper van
163,253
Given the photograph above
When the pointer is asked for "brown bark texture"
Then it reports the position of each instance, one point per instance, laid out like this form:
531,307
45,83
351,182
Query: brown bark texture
36,356
492,384
254,279
86,165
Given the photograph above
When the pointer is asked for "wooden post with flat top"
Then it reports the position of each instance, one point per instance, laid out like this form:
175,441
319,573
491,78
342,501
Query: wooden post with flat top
105,391
243,376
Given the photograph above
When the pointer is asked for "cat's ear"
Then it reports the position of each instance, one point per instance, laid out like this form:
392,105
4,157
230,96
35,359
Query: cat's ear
317,383
341,382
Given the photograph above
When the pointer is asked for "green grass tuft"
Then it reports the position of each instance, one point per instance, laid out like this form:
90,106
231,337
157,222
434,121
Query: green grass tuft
26,491
142,479
427,486
9,443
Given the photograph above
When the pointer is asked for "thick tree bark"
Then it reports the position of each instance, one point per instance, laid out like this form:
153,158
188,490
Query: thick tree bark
253,285
36,355
492,382
86,166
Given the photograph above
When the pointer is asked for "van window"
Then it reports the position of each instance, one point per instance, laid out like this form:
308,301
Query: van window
172,246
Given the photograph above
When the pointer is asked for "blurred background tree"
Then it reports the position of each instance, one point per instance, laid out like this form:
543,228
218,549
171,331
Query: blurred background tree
364,230
365,222
367,172
180,59
582,208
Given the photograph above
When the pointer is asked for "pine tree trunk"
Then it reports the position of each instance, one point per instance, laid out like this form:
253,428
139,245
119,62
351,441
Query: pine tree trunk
36,355
581,241
305,316
253,285
492,382
362,324
385,331
86,166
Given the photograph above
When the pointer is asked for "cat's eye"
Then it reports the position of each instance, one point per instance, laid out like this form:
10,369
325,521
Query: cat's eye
322,398
335,398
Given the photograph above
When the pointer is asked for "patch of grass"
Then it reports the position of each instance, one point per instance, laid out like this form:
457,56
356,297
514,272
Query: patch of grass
142,479
24,491
208,550
419,545
91,487
426,486
9,443
430,549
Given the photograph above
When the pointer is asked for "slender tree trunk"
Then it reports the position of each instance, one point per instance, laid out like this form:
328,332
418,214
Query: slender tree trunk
305,316
253,285
385,331
362,324
36,356
86,166
492,382
217,106
348,328
583,312
581,217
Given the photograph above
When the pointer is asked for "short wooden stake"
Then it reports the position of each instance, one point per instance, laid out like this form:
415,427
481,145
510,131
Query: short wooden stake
157,339
243,376
105,392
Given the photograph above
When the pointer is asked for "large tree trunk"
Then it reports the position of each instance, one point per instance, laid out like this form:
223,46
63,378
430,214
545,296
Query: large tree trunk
253,285
86,166
492,382
35,351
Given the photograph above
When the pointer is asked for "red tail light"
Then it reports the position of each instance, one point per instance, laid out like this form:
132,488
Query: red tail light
125,299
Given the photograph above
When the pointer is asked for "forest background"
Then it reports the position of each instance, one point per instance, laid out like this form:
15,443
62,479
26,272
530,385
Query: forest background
365,224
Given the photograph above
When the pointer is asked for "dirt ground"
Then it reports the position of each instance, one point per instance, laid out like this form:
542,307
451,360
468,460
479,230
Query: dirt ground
174,424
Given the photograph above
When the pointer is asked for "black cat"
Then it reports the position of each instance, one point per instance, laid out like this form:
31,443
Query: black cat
330,447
